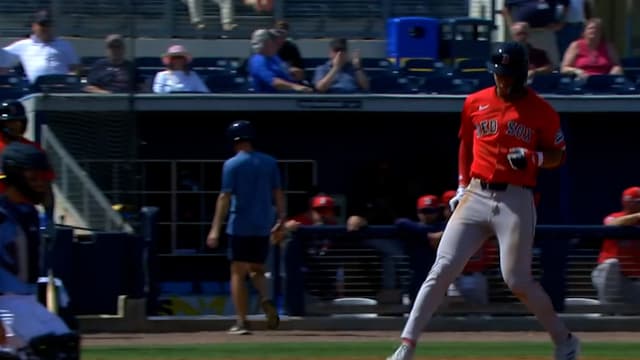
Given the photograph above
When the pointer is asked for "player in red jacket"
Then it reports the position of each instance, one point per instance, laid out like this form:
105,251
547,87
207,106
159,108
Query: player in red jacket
507,133
617,276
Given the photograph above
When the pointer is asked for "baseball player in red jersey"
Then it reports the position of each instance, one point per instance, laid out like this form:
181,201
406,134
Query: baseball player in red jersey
507,132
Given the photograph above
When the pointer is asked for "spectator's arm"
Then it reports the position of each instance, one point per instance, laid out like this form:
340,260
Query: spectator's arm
506,13
282,84
616,69
569,60
11,54
362,79
96,89
322,80
626,220
158,83
262,72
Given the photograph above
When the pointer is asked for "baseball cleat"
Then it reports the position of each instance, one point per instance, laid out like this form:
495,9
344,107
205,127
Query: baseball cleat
239,329
404,352
569,350
273,319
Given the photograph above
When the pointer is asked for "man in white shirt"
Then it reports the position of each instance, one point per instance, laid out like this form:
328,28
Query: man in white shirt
43,53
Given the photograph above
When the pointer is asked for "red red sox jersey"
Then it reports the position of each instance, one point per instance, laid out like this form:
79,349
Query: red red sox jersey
494,126
626,251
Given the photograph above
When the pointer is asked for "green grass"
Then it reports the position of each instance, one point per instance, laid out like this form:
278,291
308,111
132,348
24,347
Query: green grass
328,350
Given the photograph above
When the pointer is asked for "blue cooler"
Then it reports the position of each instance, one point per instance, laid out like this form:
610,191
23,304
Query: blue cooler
412,38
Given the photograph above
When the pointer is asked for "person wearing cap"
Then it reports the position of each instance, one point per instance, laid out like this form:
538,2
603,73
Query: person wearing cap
420,239
617,276
178,77
226,13
27,179
269,74
321,212
251,194
342,73
43,53
114,73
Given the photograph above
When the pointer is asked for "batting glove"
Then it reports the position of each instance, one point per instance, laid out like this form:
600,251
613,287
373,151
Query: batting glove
519,158
453,203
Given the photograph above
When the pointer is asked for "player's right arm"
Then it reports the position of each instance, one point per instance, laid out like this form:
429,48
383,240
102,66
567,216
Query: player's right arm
222,205
552,145
625,220
465,152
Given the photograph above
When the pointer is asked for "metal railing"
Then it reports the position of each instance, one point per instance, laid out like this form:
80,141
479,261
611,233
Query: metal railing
170,18
79,190
184,191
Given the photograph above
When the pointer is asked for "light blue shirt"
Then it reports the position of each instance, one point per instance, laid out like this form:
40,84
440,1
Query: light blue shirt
251,178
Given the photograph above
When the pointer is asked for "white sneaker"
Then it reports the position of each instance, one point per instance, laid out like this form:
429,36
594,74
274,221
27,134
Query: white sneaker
569,350
404,352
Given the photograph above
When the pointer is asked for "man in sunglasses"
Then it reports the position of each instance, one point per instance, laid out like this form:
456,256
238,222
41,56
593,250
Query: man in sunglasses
507,133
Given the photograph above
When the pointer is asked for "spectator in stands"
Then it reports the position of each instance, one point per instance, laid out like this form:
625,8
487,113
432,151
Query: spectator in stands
267,71
196,13
342,73
288,51
542,17
538,60
178,77
577,14
420,239
114,73
617,276
592,54
43,53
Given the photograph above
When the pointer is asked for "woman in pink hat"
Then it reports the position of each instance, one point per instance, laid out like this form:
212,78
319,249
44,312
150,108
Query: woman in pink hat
178,77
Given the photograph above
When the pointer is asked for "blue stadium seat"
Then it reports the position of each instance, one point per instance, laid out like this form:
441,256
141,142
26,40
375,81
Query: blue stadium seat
372,64
312,63
608,84
227,82
482,79
471,65
388,83
448,84
149,63
59,83
546,83
88,61
419,66
631,67
216,63
176,287
12,86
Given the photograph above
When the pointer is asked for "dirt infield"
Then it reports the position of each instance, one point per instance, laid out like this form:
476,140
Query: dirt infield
342,336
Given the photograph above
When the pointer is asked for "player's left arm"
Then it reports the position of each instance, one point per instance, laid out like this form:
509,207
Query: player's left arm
552,146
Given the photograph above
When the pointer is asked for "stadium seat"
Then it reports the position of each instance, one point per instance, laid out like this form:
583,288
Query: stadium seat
88,61
471,65
631,67
12,86
215,63
608,84
227,82
388,83
482,79
149,63
448,84
413,66
546,83
312,63
374,64
59,83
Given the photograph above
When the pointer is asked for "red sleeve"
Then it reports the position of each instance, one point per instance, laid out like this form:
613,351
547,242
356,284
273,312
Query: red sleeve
551,135
465,152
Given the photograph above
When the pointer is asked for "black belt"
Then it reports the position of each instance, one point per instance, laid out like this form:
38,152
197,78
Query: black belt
498,186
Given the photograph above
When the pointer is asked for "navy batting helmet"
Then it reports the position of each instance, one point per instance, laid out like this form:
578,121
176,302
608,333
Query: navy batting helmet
12,110
240,130
511,59
17,158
